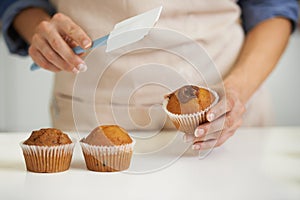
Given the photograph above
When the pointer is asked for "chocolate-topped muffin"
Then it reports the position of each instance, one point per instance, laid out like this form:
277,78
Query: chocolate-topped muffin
189,99
188,105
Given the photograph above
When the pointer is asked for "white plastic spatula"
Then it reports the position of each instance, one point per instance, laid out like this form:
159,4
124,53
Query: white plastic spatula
125,32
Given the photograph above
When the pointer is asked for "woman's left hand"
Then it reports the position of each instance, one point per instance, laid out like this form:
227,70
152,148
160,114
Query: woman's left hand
223,120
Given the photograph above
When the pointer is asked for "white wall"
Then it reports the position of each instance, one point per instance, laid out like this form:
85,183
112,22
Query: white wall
2,87
25,95
24,100
284,85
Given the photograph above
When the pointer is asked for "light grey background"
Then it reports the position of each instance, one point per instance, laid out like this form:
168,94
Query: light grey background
25,95
284,85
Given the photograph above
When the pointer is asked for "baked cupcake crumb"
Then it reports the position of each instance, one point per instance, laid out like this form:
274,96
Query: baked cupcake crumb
116,134
107,148
48,137
47,150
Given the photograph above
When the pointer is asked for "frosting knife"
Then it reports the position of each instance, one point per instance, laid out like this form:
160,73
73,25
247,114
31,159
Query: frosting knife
136,27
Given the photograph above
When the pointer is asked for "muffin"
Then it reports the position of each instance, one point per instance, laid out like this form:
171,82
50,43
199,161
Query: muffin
107,148
188,105
47,150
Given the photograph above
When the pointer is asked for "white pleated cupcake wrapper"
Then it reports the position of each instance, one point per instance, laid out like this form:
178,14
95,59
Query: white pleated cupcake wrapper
189,122
115,157
47,158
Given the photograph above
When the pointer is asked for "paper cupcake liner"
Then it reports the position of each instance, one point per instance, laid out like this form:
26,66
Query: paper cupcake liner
187,123
47,159
107,158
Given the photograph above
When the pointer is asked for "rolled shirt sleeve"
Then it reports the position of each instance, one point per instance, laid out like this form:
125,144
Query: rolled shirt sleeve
4,4
256,11
15,43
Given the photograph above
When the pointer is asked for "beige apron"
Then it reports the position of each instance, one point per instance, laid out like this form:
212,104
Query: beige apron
213,24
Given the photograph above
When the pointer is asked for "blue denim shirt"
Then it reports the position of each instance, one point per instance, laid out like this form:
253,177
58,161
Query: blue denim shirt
8,10
253,12
256,11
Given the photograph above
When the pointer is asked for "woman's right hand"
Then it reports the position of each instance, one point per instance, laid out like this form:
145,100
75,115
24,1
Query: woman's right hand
52,43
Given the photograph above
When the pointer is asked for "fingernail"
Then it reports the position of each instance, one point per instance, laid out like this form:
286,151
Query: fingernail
86,43
196,147
210,116
75,71
187,138
82,67
199,132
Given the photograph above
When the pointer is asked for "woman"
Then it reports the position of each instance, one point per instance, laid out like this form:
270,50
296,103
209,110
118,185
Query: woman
244,62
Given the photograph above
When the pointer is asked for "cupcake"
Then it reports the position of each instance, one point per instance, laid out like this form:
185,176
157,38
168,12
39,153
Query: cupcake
107,149
47,150
188,105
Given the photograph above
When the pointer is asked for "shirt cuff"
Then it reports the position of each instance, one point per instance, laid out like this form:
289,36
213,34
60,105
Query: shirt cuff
15,43
254,13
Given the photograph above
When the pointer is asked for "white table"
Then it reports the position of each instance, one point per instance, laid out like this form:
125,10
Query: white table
253,164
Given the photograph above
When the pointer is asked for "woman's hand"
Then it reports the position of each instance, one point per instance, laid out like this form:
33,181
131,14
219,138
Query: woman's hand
52,42
223,120
244,78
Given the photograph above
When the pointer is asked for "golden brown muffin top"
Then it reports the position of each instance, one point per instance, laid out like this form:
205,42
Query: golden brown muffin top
189,99
107,135
48,137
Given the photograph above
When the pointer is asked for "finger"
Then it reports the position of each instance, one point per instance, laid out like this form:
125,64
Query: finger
187,138
72,30
205,145
209,144
65,52
70,42
225,105
41,61
212,136
222,107
224,137
230,119
73,44
210,127
216,139
58,44
52,56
